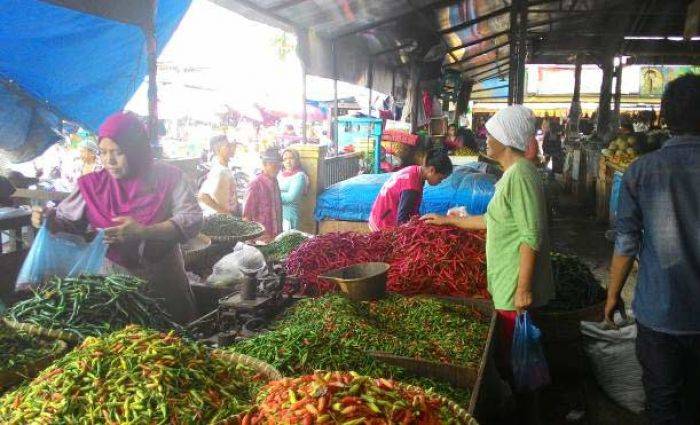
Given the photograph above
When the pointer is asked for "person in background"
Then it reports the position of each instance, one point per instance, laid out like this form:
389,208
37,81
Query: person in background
263,202
658,222
294,185
452,140
551,143
400,197
517,236
145,209
218,192
89,162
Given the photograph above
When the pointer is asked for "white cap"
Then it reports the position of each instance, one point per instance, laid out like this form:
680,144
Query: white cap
512,126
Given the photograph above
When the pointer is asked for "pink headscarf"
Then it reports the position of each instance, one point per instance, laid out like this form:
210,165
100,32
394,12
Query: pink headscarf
143,195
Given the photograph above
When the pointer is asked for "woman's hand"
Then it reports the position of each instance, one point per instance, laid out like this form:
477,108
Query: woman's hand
128,230
523,299
37,216
435,219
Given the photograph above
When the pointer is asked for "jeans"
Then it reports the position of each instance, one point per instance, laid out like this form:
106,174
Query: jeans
671,376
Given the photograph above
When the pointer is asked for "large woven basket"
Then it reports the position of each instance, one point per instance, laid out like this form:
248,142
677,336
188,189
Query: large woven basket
32,329
9,378
232,240
266,370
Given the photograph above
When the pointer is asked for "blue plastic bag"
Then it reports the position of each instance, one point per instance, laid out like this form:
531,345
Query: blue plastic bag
530,369
62,255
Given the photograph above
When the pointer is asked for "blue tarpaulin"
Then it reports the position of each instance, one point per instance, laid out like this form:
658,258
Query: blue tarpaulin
60,63
352,199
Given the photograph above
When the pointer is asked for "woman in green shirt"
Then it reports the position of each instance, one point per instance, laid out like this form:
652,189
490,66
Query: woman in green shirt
517,237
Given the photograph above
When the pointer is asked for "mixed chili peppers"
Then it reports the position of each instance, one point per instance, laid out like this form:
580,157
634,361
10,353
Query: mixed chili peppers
347,398
134,376
334,333
424,259
18,350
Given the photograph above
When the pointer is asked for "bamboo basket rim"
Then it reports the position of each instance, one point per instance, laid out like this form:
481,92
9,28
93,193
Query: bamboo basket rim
237,238
264,368
36,330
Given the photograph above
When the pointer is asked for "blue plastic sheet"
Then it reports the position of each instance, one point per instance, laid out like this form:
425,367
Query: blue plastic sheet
530,369
62,255
61,63
615,194
352,199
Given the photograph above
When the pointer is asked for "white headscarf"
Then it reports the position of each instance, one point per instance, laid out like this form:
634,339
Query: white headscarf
512,126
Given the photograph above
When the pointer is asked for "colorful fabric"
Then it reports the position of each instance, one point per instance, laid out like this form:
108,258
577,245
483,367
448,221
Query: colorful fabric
452,143
263,204
504,344
127,130
517,215
386,207
145,199
293,187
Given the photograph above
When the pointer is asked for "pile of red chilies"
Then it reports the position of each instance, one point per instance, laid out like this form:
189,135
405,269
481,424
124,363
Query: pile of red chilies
424,259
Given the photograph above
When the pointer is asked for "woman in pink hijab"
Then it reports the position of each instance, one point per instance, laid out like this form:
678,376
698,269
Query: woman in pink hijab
146,209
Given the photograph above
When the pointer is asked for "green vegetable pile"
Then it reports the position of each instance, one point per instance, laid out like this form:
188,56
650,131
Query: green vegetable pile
134,376
18,350
333,333
228,225
575,285
90,305
280,248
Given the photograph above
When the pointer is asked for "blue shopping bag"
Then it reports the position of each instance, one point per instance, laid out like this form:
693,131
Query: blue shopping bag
62,255
530,369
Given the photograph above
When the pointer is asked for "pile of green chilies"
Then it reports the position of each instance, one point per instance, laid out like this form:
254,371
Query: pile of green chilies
18,350
90,305
334,333
228,225
575,285
280,248
134,376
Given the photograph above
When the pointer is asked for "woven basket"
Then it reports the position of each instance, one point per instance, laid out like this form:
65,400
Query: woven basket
233,240
9,378
266,370
43,332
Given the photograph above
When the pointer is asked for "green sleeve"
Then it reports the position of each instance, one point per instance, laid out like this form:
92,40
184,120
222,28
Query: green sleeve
295,190
525,202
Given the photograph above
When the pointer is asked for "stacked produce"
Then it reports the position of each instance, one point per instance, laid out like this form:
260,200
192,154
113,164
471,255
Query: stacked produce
333,333
424,259
350,399
622,150
18,350
465,152
280,248
90,305
225,225
134,375
575,285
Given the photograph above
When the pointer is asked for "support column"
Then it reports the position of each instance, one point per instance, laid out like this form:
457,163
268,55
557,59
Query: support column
303,96
575,109
617,99
604,114
414,86
513,53
336,112
152,52
370,83
522,52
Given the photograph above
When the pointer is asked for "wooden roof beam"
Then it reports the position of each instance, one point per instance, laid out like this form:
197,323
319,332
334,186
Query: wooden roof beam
493,14
284,5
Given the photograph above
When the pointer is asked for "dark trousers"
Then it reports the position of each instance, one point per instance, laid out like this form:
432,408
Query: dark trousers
671,376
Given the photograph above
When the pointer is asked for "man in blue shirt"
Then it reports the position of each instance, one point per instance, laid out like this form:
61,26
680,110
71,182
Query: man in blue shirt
659,221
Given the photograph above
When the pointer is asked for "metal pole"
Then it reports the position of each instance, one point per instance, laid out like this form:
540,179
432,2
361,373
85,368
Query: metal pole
603,126
303,111
575,110
522,52
618,89
336,112
513,53
152,52
370,77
